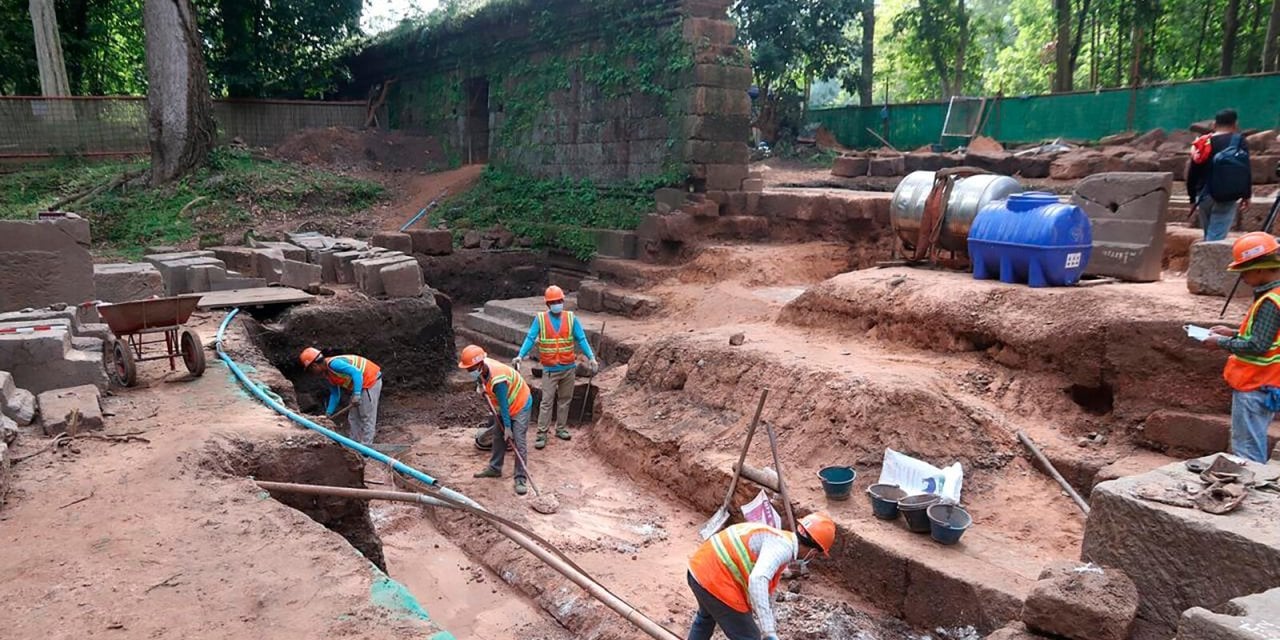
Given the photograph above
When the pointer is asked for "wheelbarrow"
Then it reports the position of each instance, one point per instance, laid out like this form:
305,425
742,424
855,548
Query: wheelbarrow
140,326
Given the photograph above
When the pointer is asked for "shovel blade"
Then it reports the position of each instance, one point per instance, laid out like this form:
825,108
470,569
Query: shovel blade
714,524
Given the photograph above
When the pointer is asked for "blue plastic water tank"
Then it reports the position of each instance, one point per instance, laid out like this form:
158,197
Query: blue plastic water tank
1031,238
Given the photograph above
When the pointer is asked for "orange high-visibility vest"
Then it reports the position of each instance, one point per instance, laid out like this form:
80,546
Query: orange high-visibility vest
1249,373
723,564
517,390
555,347
370,370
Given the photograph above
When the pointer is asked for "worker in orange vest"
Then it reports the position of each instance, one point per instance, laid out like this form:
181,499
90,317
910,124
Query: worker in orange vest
1253,370
359,377
511,403
556,332
736,572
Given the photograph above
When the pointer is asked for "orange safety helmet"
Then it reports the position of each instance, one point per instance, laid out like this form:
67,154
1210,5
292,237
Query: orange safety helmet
821,529
471,356
1251,247
309,356
554,294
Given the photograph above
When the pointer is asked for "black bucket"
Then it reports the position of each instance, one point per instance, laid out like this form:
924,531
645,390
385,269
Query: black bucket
947,522
914,510
884,500
837,482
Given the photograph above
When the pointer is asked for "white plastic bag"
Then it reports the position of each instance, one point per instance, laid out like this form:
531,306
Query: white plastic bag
761,511
916,476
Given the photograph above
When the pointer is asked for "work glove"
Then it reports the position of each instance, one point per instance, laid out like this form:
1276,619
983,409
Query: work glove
355,400
515,362
506,433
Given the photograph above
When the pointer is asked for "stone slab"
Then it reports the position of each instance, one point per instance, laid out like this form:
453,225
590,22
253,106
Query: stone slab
45,262
393,240
1207,274
850,167
240,259
1193,433
402,279
286,250
616,244
300,275
232,283
1181,558
368,272
344,270
205,277
431,242
123,282
1252,617
256,297
1134,249
58,406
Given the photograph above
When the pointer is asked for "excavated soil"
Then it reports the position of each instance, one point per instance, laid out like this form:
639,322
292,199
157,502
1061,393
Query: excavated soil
346,148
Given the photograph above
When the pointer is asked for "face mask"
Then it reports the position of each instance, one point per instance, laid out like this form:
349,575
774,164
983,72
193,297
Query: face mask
557,308
475,375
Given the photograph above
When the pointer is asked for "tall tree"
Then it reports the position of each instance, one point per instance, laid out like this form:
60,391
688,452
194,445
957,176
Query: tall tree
1230,28
1269,57
866,79
53,69
179,109
1063,70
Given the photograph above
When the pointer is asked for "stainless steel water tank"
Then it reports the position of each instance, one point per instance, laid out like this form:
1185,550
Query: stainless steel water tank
967,197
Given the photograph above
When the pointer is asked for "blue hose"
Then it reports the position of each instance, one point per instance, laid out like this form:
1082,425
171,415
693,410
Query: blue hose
359,448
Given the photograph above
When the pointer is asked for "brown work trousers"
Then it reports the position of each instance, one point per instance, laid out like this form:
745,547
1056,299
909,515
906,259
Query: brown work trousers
557,391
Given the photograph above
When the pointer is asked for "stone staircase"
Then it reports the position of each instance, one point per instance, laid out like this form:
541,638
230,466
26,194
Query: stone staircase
500,325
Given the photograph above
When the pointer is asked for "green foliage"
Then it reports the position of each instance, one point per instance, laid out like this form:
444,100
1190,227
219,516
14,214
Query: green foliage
228,194
557,213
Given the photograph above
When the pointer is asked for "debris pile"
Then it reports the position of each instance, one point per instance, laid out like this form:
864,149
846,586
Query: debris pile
347,148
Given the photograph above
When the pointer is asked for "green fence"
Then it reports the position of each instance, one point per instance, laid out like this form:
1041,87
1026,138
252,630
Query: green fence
1072,116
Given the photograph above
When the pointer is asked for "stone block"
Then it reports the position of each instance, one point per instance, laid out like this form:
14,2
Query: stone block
431,242
174,267
850,167
1180,558
704,209
124,282
1195,434
1082,602
721,76
394,241
241,259
59,405
1176,165
591,295
716,127
1076,164
328,261
1208,275
1001,162
1034,167
343,267
45,262
726,177
1252,617
286,250
716,152
715,101
300,275
368,272
1264,168
1129,212
1149,141
675,227
887,166
673,198
709,31
616,244
930,161
231,283
742,227
17,404
755,185
402,279
202,278
69,223
269,266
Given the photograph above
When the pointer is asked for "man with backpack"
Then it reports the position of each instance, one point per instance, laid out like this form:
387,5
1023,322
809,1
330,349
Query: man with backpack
1219,180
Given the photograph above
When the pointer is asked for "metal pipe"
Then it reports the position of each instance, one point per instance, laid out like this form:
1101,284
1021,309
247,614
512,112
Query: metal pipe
566,569
1048,466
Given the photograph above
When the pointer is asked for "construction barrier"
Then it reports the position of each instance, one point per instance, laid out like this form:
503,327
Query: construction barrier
1080,116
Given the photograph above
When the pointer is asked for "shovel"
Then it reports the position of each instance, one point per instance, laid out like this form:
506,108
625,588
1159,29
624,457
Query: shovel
721,516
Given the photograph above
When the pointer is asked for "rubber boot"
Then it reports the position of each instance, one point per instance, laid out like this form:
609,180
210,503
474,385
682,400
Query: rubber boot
541,441
563,433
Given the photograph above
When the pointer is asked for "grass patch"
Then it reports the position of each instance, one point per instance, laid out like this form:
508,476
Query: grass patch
230,194
557,213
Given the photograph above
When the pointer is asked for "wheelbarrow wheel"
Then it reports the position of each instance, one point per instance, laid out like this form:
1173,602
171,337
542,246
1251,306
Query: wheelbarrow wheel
123,366
192,351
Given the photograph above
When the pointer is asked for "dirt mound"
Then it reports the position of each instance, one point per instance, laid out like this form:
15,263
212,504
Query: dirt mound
347,148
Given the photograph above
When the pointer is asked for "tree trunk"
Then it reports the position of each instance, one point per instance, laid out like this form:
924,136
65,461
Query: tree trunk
1062,47
1273,35
53,70
1230,27
1204,28
179,110
1074,61
1253,54
1135,61
962,17
934,47
867,78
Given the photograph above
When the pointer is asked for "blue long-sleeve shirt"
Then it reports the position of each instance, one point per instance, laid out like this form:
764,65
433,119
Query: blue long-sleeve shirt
579,336
335,392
